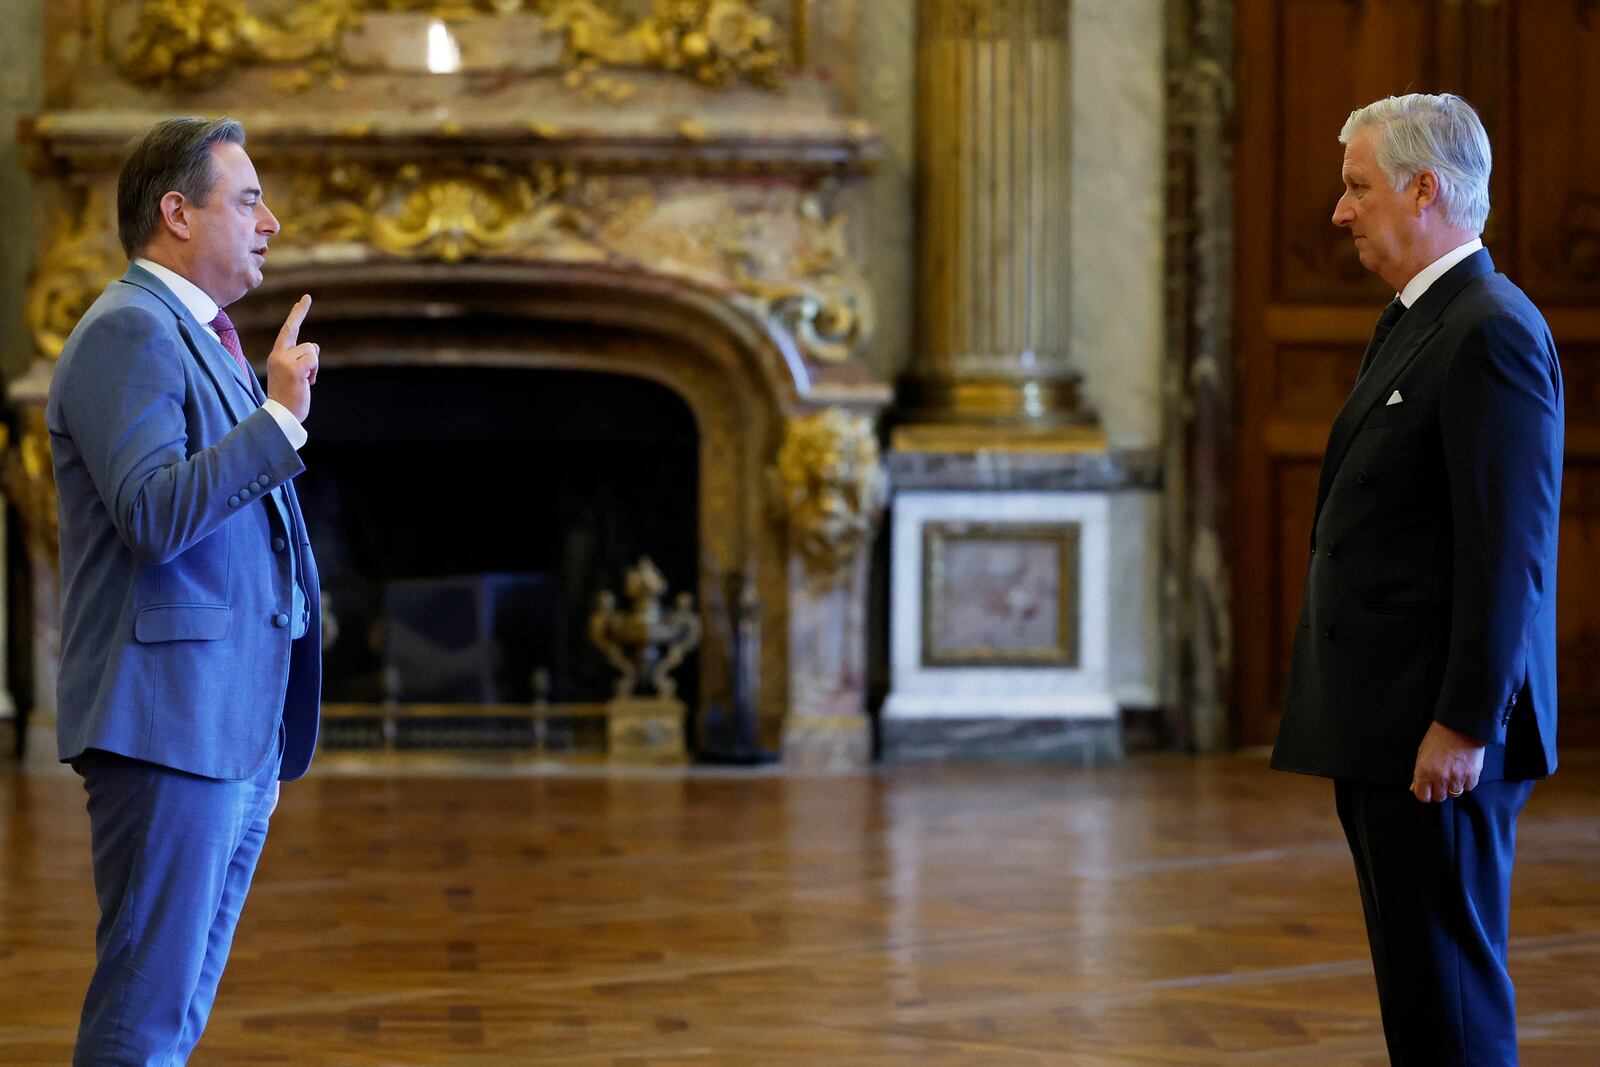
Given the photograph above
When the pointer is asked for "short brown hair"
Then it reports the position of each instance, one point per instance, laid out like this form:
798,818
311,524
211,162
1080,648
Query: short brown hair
171,156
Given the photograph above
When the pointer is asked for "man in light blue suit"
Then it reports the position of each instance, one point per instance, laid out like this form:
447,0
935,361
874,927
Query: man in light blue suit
190,646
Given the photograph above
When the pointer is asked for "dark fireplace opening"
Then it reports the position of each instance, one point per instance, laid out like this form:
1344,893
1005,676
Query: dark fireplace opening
465,517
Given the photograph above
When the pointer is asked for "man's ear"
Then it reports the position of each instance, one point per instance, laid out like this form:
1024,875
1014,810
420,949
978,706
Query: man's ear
175,214
1425,190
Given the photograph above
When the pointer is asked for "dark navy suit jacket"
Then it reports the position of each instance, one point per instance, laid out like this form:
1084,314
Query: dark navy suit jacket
1431,593
176,576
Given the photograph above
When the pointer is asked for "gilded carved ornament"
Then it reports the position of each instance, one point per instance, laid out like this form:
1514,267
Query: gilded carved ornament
830,488
820,295
189,44
29,479
81,260
453,211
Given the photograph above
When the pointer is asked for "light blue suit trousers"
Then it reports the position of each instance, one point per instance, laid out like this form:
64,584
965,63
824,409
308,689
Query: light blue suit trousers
174,854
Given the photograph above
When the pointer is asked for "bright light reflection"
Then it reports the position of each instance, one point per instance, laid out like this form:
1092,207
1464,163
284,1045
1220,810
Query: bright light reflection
444,55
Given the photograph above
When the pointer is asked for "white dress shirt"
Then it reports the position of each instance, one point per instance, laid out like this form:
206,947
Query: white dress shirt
204,309
1436,270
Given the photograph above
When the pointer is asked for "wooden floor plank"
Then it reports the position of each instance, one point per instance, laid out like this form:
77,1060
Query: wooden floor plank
1167,911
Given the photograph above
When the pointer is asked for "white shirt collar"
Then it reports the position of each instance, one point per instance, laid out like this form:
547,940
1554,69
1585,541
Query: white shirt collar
1436,270
190,295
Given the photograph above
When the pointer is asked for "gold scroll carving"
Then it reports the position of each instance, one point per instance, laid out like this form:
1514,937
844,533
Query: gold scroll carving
451,211
822,296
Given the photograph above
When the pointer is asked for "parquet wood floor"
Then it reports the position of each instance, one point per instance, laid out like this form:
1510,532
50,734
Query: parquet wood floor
1168,911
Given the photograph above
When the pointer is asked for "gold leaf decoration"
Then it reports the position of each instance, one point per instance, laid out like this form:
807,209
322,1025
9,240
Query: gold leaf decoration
823,297
190,44
81,261
183,45
452,211
830,487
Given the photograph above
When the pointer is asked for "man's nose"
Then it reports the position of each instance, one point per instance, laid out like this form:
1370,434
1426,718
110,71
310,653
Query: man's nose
268,223
1341,211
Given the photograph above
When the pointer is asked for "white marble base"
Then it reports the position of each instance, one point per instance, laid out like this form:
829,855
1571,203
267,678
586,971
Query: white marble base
920,690
993,704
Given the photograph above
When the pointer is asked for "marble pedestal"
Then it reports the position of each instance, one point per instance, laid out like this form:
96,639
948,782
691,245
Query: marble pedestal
1002,614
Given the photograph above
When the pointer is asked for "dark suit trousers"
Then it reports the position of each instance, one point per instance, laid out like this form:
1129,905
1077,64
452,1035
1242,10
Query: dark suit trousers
174,855
1436,888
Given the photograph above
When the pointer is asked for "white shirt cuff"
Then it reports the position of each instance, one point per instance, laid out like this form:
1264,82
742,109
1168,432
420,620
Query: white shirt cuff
287,422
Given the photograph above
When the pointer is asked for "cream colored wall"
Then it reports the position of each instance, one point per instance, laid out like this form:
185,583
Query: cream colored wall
1118,208
21,92
888,81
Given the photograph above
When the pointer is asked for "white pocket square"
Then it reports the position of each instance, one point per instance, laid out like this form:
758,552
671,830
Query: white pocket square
1395,398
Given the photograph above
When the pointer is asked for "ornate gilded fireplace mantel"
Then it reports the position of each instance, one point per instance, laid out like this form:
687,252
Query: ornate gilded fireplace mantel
721,211
763,222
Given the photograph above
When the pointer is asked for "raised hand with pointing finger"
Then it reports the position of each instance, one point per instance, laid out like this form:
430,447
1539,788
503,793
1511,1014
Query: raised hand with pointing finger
292,366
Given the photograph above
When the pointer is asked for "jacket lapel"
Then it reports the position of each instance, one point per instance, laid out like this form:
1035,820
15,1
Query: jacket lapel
1415,329
215,360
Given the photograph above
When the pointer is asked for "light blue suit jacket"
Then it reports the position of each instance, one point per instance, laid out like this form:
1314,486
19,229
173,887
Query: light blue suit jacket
177,563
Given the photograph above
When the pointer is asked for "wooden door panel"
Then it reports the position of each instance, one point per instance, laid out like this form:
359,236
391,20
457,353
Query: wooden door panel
1577,606
1332,52
1555,158
1294,484
1312,381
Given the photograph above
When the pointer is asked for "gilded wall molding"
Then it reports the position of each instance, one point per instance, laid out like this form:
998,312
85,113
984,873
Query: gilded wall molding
829,486
185,45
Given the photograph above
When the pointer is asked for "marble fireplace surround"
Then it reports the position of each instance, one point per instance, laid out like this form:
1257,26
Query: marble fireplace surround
739,252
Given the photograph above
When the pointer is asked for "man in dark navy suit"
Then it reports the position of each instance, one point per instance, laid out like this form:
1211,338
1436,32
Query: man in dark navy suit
1423,679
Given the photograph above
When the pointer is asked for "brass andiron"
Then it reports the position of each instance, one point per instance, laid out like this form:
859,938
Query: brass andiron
645,644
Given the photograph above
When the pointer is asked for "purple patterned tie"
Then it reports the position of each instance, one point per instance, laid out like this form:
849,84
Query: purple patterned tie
230,340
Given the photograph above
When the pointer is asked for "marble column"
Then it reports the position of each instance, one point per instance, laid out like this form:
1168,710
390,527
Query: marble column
993,147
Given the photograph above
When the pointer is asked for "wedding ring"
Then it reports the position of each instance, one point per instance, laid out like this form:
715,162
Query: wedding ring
1457,792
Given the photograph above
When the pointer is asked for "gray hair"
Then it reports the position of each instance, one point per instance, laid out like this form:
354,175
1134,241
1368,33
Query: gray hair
170,157
1443,134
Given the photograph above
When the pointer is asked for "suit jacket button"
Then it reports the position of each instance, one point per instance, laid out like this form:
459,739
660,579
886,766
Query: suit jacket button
233,501
1327,629
279,544
263,479
1313,550
280,620
255,486
1361,477
1329,552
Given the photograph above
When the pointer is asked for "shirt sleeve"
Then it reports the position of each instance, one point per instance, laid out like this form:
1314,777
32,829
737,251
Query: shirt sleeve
290,425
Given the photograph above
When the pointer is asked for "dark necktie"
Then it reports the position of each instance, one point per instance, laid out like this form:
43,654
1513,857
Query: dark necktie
1386,323
230,340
